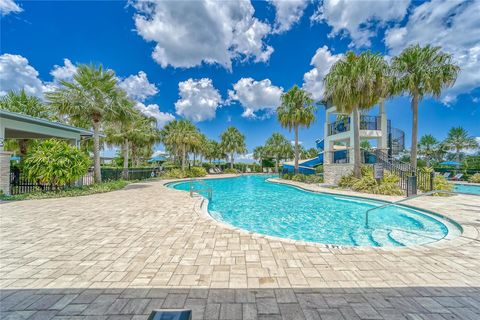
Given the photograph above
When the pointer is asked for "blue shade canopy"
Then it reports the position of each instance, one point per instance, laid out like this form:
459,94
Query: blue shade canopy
450,163
14,158
157,158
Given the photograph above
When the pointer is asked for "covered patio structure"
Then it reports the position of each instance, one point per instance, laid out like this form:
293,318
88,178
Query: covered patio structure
20,126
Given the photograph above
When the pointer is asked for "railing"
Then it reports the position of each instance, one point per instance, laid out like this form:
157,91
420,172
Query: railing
403,200
366,123
207,187
20,184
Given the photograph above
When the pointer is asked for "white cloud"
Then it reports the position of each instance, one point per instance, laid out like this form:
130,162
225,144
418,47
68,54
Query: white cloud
313,79
189,33
255,96
453,25
198,99
359,19
246,158
16,74
65,72
153,110
138,87
287,13
9,6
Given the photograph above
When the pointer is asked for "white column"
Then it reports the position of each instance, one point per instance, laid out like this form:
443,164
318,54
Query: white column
352,139
383,126
2,135
5,172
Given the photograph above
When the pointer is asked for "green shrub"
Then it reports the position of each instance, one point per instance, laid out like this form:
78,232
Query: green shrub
230,170
319,169
299,177
440,183
475,178
55,162
388,185
313,178
194,172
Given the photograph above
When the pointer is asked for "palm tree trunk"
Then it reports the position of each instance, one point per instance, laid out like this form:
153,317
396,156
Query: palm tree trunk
276,164
413,153
184,156
22,145
457,156
194,158
296,150
125,159
231,162
357,172
97,174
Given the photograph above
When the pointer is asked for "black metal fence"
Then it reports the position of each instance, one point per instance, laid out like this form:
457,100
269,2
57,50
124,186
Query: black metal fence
20,184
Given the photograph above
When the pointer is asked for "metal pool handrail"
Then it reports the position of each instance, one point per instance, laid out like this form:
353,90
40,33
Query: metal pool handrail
403,200
208,188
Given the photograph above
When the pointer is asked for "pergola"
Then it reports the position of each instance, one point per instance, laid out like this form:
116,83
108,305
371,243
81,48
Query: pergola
15,125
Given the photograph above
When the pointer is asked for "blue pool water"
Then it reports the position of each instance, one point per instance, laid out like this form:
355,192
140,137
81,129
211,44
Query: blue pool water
465,188
251,203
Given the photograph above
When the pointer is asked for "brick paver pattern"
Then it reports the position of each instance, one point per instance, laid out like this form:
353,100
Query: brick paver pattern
121,254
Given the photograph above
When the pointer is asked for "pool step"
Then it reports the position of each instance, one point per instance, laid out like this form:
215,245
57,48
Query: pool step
383,237
363,239
408,238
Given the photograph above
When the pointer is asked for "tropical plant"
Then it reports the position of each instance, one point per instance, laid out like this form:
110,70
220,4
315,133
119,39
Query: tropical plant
92,96
474,178
458,140
20,102
296,110
422,71
233,141
388,185
132,133
427,147
179,136
231,171
56,163
357,82
279,148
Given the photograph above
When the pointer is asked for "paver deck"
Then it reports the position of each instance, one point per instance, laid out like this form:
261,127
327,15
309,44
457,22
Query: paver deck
119,255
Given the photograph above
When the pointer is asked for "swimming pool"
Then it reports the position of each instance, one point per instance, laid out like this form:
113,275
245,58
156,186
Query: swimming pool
254,204
467,188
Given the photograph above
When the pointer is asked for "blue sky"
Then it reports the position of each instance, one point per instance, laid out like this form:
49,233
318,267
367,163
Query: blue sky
254,50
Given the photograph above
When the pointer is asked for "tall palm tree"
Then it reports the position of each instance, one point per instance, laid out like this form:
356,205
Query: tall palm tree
458,140
354,83
179,136
422,71
279,148
296,110
93,95
427,146
233,141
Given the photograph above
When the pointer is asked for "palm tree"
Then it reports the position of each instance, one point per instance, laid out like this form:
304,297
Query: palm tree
278,147
259,154
93,95
134,133
30,105
233,141
458,140
178,136
427,146
143,137
296,110
357,82
422,71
